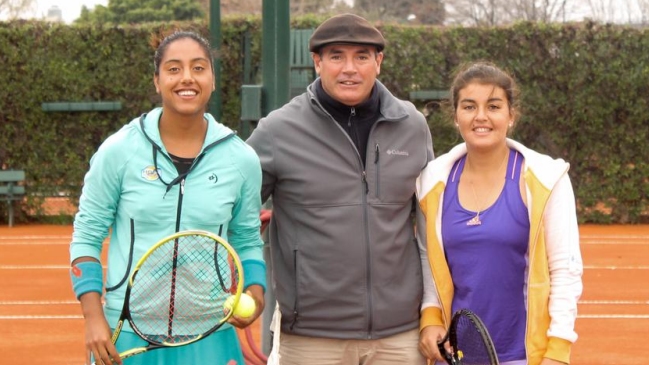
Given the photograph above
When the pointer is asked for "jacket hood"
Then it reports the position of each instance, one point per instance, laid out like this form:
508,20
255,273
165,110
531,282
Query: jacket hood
545,168
148,124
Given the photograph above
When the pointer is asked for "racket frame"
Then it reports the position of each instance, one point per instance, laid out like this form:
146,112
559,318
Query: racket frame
126,314
455,358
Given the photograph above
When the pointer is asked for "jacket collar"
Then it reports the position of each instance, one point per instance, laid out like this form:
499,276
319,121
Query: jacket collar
149,126
392,109
369,109
545,168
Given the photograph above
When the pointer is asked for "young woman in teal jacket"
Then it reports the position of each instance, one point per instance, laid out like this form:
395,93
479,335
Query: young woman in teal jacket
171,169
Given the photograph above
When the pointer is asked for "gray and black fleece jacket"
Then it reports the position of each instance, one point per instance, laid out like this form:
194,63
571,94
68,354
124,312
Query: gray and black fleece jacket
344,254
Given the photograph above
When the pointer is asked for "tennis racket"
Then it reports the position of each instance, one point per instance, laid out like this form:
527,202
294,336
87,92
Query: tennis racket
176,292
469,340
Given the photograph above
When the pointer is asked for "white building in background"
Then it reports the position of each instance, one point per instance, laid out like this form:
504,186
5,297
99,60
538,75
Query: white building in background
54,14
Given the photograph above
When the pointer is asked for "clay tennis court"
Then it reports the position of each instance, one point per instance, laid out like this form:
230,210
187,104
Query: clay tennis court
41,320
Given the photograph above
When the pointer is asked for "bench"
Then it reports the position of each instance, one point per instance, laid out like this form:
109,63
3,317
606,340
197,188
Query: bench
73,106
432,99
429,95
11,190
301,64
301,74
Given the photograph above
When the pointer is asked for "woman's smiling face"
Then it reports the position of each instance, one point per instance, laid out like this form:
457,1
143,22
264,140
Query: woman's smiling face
483,115
185,80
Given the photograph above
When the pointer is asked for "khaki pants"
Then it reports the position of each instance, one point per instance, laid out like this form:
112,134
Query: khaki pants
398,349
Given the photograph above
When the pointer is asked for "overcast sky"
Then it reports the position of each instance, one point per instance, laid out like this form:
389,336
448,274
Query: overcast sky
70,9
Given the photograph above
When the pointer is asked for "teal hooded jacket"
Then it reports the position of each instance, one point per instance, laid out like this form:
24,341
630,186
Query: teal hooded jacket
134,193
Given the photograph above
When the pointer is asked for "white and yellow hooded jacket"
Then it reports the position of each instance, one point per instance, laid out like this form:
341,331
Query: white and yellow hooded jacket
554,260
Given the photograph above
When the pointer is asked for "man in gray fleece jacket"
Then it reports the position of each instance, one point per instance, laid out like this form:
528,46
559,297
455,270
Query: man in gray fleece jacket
340,162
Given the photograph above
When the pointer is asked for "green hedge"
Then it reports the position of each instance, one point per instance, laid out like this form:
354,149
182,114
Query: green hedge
585,90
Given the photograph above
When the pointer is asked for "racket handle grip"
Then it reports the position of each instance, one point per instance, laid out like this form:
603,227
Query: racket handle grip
448,357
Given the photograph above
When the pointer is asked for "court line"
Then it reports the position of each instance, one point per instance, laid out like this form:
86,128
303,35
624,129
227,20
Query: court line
613,267
38,317
34,267
583,236
59,302
38,302
611,302
613,316
37,267
67,267
43,237
40,243
616,242
76,317
615,236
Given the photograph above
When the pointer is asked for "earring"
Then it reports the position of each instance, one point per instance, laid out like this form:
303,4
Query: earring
511,125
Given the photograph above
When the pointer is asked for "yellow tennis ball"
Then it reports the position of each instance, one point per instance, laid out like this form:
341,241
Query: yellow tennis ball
244,309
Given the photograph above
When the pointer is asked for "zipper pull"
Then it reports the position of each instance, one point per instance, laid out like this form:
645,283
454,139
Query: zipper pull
182,187
367,188
376,153
352,114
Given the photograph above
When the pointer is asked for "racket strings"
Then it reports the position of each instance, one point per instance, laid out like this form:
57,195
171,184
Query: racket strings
474,348
177,301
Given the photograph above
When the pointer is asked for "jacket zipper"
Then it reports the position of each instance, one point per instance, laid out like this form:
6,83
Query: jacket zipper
377,168
353,134
368,260
295,303
352,113
365,183
181,194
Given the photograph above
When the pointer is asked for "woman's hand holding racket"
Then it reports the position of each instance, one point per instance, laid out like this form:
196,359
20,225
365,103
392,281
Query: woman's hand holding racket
428,340
466,342
99,342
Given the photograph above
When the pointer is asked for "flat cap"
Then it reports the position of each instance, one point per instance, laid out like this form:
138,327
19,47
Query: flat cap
346,28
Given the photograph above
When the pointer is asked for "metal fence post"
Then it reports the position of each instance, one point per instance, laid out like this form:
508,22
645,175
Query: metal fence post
275,75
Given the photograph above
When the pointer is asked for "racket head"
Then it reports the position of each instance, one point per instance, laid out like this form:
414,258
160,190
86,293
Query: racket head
470,340
176,292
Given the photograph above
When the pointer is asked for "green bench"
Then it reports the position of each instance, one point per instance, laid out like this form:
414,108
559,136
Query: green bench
82,106
429,95
301,74
432,99
302,71
11,189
